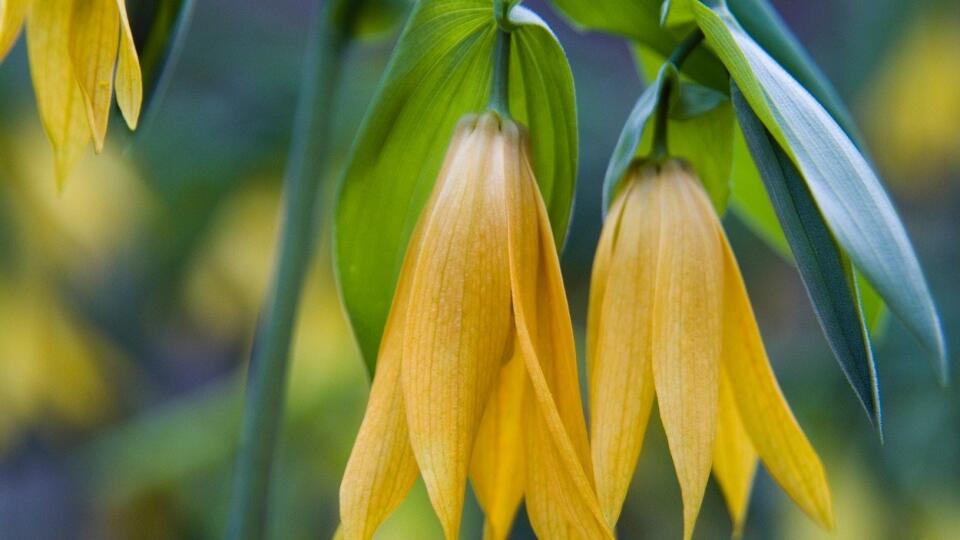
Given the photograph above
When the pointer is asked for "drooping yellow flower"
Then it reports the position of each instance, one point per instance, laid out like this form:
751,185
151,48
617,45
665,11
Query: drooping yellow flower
477,373
81,52
669,316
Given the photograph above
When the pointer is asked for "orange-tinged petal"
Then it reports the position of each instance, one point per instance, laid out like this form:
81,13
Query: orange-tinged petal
560,495
382,469
93,50
129,80
458,320
734,459
621,376
773,430
686,329
59,98
12,13
496,471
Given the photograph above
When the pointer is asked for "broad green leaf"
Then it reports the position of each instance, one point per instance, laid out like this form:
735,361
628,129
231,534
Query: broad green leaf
820,261
674,13
633,131
847,191
441,70
701,131
639,20
542,98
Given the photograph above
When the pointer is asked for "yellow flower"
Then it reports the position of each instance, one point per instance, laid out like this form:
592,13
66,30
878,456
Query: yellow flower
669,315
77,49
477,373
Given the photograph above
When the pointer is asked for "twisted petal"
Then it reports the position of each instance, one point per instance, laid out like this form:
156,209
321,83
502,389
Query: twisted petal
459,320
560,495
129,80
621,377
497,467
12,13
93,50
734,459
774,431
686,329
59,98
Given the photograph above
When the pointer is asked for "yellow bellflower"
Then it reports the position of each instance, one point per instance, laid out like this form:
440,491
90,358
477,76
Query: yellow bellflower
81,53
477,373
669,316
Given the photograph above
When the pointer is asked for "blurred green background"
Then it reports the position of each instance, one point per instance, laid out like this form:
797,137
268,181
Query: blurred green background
127,303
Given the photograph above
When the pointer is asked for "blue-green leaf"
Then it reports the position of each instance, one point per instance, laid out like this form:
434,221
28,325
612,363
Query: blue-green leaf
821,264
843,184
765,26
441,70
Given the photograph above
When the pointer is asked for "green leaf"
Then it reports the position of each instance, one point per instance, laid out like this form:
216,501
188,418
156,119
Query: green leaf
542,98
675,13
441,70
639,20
633,131
766,27
160,29
847,191
821,263
701,131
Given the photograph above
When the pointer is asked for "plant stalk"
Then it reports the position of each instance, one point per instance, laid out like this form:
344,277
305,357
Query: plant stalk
500,84
267,371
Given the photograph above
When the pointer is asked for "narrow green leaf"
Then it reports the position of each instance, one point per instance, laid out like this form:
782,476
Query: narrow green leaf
828,279
767,28
160,29
441,70
847,191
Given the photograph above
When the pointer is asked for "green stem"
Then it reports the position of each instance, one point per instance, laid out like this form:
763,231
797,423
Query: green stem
267,372
500,85
677,58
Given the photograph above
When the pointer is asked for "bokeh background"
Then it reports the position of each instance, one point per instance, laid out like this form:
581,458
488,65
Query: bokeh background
128,302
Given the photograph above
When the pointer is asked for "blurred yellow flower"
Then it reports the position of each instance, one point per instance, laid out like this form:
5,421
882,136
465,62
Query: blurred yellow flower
912,111
50,366
78,50
669,315
477,372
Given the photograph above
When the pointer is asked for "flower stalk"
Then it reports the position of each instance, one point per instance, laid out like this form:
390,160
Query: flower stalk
677,58
267,371
500,85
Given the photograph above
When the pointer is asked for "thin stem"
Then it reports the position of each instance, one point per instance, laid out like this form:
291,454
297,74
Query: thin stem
677,58
683,50
267,372
500,85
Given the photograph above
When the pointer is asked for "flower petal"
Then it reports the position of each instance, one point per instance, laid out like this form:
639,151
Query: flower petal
59,98
458,320
560,496
129,80
686,330
621,376
381,469
496,471
778,439
734,459
12,13
93,50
